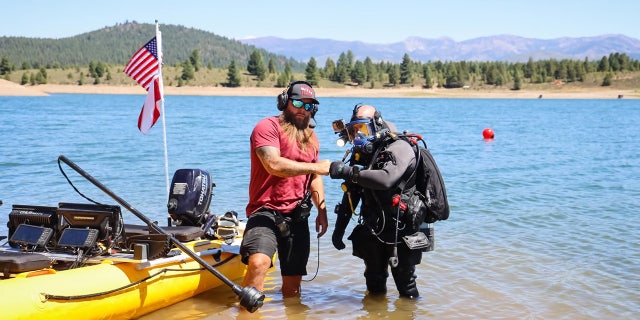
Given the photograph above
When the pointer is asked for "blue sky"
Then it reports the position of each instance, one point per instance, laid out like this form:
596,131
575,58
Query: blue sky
351,20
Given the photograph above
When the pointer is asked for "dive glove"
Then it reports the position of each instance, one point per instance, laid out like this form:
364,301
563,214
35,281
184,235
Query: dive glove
336,238
339,170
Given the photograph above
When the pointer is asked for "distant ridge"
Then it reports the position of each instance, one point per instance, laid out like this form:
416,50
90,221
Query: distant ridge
115,44
505,47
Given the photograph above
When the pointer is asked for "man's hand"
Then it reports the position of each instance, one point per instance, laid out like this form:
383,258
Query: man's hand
322,223
323,167
339,170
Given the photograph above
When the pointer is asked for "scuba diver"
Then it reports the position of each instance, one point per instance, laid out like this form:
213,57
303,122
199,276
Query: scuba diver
379,176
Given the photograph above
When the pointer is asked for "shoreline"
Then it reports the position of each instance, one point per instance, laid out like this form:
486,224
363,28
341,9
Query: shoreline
8,88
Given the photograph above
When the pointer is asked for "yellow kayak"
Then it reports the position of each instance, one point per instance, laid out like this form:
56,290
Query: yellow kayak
81,261
116,286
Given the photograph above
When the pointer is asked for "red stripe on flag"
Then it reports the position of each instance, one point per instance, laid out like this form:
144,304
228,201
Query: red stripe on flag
150,110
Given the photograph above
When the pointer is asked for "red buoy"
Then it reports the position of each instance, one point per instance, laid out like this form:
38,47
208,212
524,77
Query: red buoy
488,133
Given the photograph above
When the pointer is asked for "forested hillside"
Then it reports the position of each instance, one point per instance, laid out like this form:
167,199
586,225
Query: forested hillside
115,45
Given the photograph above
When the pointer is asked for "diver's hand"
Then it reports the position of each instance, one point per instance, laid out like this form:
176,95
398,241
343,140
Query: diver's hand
336,238
339,170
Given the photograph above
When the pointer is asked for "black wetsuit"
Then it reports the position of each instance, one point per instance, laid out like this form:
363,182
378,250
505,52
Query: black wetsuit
381,224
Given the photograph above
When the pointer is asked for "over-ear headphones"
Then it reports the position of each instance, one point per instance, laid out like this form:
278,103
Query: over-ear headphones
283,98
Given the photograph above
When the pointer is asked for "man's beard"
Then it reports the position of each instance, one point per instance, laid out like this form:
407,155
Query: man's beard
296,129
300,124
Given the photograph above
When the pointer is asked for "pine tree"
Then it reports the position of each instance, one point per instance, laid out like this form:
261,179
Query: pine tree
195,60
529,70
311,72
369,68
272,66
342,69
405,69
285,77
282,81
603,66
256,66
607,80
358,73
233,75
5,66
394,74
330,69
428,82
41,76
517,85
188,73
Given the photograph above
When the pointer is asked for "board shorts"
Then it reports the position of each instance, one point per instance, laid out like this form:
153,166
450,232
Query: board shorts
262,236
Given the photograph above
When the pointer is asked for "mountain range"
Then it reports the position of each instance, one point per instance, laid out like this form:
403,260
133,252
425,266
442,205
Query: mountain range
115,44
506,47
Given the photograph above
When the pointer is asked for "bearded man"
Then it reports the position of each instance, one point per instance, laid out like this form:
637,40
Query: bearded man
286,177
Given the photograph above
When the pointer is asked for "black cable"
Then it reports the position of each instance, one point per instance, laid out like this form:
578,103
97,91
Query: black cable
318,266
104,293
74,187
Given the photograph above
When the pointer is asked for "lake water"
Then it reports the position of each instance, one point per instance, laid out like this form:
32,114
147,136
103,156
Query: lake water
544,218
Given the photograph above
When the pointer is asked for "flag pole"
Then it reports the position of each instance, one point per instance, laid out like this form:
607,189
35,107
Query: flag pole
164,127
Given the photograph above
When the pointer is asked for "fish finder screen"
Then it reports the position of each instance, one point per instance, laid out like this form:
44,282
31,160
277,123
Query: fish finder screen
33,235
76,237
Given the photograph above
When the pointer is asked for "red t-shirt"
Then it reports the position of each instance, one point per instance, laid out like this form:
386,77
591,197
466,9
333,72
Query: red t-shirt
265,190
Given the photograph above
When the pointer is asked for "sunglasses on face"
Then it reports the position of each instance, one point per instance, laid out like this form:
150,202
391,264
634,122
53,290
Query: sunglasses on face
299,104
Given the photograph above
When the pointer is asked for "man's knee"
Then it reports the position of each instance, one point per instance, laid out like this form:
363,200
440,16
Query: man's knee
259,261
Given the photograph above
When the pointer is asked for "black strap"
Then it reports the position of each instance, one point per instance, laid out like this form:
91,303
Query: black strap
403,183
310,177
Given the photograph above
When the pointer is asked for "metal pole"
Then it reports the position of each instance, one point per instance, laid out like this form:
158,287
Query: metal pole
250,297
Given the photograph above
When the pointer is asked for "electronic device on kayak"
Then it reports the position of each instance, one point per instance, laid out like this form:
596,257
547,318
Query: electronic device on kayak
43,217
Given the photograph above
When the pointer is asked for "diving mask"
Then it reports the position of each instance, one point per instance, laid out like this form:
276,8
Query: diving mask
360,129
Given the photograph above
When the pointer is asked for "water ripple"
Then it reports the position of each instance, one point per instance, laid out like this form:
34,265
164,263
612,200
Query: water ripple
543,218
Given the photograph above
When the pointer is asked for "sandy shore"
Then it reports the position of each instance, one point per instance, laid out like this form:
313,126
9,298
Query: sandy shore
8,88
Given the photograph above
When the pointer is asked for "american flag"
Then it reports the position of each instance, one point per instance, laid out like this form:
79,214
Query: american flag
143,66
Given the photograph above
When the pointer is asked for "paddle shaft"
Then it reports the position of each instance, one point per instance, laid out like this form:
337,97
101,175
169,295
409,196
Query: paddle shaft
142,217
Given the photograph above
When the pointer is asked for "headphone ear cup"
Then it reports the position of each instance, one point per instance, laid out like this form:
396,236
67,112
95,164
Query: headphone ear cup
355,109
313,110
378,118
282,100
